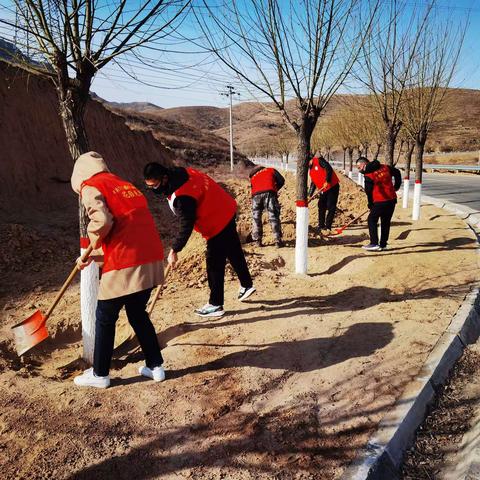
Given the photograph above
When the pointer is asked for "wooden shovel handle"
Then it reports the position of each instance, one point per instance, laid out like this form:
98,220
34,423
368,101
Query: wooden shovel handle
355,219
68,281
158,290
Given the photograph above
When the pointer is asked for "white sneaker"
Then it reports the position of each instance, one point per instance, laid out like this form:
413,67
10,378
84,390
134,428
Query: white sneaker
244,293
89,379
157,374
371,247
209,310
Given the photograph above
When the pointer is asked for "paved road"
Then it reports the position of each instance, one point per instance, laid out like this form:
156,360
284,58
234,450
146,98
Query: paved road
455,187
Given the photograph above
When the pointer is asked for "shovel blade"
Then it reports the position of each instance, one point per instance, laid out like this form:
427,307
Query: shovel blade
30,332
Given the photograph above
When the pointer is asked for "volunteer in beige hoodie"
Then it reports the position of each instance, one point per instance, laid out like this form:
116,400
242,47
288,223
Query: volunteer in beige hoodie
121,225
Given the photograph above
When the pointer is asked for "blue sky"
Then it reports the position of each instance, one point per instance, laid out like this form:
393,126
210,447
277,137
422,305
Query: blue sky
180,79
202,84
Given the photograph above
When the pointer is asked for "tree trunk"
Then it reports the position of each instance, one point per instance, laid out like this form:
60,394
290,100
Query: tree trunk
417,194
406,181
350,162
344,159
304,135
391,133
377,151
73,97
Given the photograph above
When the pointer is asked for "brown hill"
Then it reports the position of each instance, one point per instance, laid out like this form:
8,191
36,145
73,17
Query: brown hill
184,131
258,126
35,165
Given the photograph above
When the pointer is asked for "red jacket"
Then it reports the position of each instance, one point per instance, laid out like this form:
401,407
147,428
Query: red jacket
318,175
264,181
215,207
383,189
133,239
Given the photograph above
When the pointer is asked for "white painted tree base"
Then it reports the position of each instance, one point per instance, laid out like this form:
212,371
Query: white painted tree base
89,283
350,175
406,192
417,200
301,243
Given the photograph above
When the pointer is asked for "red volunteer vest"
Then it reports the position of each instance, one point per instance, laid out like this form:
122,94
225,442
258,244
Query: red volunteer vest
318,175
383,189
133,239
264,181
215,207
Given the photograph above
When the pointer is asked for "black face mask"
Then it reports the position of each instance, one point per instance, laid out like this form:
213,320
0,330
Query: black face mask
158,191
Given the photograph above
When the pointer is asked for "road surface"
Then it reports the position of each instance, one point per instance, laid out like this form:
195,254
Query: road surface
454,187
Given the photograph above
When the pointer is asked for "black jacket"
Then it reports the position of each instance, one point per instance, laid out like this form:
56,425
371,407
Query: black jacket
374,166
184,205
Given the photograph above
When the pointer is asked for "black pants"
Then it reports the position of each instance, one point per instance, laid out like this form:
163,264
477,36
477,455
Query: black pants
328,202
106,318
384,212
225,245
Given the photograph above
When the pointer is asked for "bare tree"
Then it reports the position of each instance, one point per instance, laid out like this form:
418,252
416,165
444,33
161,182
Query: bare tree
388,56
70,41
431,72
284,145
302,50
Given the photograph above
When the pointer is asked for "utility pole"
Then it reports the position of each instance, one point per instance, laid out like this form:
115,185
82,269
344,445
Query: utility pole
229,93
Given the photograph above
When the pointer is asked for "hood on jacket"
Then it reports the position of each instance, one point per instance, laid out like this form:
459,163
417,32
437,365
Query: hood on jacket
372,166
255,170
86,166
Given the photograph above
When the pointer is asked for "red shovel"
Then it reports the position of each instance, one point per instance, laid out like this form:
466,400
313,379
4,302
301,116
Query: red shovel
33,330
340,230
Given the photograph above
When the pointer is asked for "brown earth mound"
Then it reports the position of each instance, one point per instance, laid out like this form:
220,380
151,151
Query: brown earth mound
35,165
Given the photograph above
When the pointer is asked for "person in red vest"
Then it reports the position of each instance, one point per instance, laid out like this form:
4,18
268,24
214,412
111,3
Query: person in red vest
201,204
325,179
382,198
121,224
265,183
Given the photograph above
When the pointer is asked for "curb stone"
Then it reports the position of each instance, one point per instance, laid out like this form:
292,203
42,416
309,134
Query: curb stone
382,458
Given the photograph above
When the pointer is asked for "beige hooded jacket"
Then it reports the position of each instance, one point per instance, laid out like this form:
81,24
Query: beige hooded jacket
115,283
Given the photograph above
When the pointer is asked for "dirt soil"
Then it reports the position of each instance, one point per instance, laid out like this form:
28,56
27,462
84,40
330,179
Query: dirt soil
287,385
449,419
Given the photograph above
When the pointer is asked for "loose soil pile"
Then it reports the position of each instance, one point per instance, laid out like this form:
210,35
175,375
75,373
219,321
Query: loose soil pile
287,385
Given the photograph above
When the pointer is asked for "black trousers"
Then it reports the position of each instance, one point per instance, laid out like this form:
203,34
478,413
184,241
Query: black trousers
328,202
106,317
384,212
225,245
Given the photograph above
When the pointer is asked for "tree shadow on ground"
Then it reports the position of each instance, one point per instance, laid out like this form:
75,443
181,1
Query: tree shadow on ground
351,299
465,243
292,438
359,340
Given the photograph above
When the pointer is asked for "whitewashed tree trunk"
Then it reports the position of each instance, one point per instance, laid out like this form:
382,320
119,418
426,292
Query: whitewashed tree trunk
406,192
417,199
89,281
301,244
350,175
88,303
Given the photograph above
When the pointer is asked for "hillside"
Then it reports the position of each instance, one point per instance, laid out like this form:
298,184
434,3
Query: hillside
184,131
258,126
35,165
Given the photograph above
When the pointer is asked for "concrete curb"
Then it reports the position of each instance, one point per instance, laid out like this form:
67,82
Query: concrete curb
383,455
